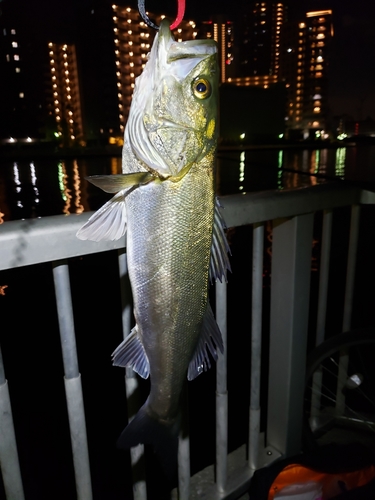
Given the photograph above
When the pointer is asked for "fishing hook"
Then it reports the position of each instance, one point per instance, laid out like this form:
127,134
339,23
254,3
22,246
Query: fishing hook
176,22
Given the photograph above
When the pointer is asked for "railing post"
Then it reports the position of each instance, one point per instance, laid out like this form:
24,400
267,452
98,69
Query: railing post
9,463
322,305
323,276
290,293
348,306
72,379
184,450
221,391
350,272
256,345
131,382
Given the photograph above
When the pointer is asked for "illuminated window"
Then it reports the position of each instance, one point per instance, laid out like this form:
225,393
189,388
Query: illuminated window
18,70
14,44
317,109
320,36
16,57
21,95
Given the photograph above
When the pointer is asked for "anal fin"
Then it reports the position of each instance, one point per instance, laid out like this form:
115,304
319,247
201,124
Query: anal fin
209,341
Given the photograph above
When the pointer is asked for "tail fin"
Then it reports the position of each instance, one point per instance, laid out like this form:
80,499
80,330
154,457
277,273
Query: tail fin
147,428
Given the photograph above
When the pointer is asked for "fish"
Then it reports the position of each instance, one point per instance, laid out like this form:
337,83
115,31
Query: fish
176,245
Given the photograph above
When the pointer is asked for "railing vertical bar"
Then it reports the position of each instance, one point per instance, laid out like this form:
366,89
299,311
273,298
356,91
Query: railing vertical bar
72,379
323,276
131,382
322,304
348,305
350,273
9,463
256,344
221,391
184,451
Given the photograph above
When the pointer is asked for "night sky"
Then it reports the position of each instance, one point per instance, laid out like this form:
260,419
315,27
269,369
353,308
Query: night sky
352,71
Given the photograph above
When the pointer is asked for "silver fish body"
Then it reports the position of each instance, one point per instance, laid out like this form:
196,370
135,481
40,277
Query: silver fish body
166,203
169,264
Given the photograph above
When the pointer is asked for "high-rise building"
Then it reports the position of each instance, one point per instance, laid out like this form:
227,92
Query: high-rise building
22,103
305,63
66,98
221,31
132,42
259,46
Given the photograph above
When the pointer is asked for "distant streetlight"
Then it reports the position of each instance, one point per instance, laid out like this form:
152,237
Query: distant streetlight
242,136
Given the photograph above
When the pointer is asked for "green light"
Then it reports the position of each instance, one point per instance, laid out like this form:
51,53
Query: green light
342,136
61,175
280,169
281,136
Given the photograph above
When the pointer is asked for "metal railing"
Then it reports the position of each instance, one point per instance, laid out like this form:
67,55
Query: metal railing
52,239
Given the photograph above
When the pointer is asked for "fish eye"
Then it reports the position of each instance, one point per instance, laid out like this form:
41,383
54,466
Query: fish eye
201,88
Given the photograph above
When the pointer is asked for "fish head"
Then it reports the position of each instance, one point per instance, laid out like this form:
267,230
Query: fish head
173,117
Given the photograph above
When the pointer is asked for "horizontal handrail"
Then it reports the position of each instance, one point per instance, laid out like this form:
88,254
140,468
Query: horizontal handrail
34,241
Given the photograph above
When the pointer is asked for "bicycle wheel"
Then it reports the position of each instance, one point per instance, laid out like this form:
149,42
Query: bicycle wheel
340,390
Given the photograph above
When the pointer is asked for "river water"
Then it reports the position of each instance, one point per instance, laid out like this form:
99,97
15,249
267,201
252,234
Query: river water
50,186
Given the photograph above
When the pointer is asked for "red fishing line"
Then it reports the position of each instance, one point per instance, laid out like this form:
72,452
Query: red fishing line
180,14
176,22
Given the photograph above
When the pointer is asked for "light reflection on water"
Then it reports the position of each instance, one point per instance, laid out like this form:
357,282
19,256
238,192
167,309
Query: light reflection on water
51,186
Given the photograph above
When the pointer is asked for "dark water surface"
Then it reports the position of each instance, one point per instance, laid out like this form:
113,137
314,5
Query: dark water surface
50,186
29,335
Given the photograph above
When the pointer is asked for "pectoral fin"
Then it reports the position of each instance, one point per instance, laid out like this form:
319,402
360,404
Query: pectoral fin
108,223
132,353
209,341
117,182
219,263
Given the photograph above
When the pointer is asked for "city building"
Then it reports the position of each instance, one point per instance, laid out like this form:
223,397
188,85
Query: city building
305,64
133,39
259,46
22,103
65,102
221,31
